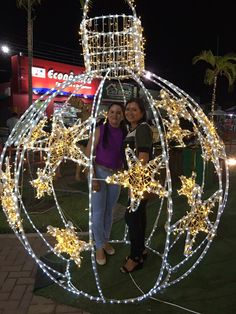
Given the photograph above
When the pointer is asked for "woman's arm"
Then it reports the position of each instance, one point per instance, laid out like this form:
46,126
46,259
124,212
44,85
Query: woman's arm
95,183
143,157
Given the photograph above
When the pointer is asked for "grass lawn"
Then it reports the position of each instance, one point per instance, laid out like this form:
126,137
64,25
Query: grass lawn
210,288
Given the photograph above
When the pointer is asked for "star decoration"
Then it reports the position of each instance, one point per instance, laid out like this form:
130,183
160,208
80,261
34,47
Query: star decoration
189,188
37,137
212,146
68,242
174,107
9,199
197,219
175,132
139,178
62,143
43,184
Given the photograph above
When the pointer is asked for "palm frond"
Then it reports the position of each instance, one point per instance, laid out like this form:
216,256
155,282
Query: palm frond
205,55
24,3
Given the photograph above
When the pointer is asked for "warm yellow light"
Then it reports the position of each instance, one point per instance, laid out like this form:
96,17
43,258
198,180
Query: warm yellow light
139,178
197,219
9,200
231,162
68,242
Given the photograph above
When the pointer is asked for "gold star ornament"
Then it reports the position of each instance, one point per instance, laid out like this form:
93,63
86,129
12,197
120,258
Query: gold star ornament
139,178
68,242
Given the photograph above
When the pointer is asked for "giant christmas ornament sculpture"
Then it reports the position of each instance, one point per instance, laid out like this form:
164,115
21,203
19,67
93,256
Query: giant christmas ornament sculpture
113,49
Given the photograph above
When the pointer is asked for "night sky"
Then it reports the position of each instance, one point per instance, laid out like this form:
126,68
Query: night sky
175,32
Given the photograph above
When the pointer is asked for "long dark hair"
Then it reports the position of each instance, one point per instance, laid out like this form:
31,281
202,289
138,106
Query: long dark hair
122,125
141,106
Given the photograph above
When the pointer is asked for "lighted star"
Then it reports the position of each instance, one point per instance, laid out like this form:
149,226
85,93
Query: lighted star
175,132
68,242
212,145
62,143
189,188
43,183
37,137
197,219
9,199
174,107
139,178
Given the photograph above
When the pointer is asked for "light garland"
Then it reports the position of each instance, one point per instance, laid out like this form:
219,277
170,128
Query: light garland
9,200
197,220
124,60
174,108
43,183
139,178
58,145
113,42
68,242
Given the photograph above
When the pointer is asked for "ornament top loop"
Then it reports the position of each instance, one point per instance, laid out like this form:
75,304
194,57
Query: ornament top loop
113,42
86,8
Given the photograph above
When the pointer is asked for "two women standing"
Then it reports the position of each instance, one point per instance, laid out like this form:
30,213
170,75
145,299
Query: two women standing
110,141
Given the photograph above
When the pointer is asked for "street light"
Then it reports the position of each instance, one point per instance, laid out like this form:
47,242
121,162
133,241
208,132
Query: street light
5,49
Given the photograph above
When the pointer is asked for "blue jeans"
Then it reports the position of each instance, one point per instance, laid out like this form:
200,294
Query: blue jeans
102,203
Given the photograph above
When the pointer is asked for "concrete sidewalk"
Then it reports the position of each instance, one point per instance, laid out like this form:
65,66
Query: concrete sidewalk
17,277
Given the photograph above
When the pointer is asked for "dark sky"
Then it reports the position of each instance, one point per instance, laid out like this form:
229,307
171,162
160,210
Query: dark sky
175,32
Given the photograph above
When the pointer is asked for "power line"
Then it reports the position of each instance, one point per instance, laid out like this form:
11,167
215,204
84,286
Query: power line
51,51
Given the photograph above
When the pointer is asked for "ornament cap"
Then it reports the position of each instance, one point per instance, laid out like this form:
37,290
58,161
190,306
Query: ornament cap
113,45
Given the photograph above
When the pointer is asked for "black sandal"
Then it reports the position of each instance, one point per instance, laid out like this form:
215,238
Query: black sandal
144,256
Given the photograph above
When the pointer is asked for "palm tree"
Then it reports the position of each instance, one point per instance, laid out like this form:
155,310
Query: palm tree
29,5
82,2
220,66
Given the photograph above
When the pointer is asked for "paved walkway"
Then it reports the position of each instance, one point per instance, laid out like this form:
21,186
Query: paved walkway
17,276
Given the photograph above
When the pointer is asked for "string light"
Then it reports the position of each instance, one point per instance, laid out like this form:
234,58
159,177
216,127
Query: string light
197,220
68,242
108,46
9,200
139,178
117,51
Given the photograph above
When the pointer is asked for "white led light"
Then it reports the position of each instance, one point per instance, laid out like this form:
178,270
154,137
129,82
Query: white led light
123,58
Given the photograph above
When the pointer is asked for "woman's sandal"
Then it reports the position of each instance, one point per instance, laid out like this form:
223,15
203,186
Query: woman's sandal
139,265
144,256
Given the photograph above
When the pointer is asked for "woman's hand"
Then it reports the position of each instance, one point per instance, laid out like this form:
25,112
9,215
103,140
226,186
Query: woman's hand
95,185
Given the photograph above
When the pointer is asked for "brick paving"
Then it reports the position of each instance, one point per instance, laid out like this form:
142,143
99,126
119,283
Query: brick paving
17,277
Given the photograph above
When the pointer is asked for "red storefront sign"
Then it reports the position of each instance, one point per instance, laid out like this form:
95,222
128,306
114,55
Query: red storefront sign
47,75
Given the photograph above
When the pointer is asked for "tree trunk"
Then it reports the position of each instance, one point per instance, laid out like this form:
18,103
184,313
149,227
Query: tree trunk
30,52
213,101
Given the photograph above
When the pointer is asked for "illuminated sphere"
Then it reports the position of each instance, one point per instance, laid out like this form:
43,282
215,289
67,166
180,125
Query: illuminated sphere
187,233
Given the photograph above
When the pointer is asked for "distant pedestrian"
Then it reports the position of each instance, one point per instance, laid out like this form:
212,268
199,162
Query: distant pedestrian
11,122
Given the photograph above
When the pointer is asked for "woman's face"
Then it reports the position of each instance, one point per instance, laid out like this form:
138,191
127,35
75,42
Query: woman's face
133,114
115,116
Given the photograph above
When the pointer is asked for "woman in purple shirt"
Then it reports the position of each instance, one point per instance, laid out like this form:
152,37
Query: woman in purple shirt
108,159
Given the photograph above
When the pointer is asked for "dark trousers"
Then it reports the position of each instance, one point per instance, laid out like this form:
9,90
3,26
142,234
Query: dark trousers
136,222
